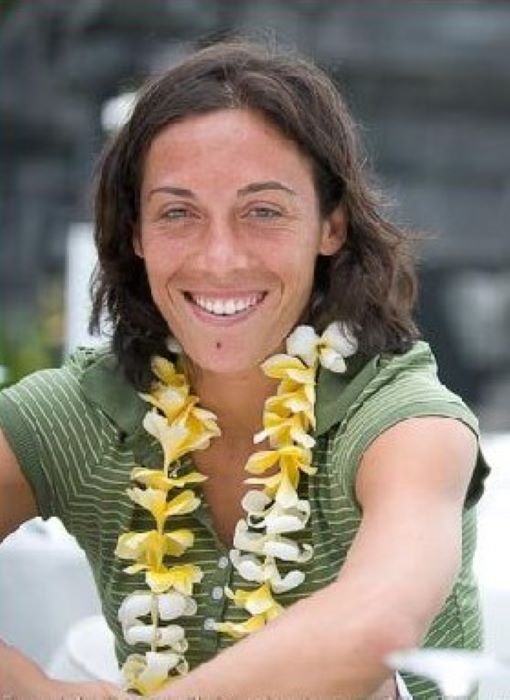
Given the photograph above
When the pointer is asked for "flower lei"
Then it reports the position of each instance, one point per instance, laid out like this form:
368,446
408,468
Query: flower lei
181,426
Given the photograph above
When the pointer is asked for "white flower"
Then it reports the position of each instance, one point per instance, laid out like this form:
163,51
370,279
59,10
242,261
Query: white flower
252,569
336,343
170,636
270,545
147,673
170,606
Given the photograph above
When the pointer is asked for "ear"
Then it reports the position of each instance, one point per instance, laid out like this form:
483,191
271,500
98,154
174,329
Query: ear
137,242
334,232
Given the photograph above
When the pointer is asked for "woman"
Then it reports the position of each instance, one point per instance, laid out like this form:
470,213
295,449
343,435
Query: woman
261,313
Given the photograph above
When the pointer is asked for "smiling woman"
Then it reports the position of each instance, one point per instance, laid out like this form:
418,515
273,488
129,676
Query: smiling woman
230,244
261,308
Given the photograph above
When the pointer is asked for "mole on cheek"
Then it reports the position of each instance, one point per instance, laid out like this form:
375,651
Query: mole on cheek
218,345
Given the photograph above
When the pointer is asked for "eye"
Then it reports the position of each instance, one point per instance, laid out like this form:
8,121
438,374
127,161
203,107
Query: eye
176,213
264,213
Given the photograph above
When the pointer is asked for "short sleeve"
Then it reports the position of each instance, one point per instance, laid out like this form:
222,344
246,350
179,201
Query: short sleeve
405,386
53,432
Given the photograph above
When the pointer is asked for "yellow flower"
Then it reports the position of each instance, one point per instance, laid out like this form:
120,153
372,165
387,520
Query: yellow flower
170,400
284,431
147,673
259,602
155,502
296,401
237,630
156,479
171,436
182,578
256,602
166,373
149,548
282,487
290,368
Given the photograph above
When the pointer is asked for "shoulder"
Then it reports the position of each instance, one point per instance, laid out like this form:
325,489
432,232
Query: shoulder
382,393
88,385
385,388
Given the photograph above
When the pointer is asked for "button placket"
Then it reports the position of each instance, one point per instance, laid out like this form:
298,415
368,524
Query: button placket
217,601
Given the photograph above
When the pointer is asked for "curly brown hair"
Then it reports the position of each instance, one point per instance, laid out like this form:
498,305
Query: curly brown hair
370,283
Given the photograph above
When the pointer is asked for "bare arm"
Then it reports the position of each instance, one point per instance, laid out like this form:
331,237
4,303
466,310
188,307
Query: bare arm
411,485
17,502
21,677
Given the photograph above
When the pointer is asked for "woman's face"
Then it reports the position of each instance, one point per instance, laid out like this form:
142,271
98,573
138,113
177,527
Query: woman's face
229,232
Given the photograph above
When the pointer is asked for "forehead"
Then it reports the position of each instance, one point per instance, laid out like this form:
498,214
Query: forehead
226,144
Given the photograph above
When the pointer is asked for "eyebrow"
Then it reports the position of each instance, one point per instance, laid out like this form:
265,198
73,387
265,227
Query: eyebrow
178,191
249,189
260,186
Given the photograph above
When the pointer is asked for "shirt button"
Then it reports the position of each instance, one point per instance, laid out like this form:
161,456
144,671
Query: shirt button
217,593
223,562
209,624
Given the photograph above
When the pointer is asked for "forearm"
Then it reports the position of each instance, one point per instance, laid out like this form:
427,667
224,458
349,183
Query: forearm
321,646
22,679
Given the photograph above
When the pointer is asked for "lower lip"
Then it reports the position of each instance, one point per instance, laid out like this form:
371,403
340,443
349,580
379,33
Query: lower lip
214,320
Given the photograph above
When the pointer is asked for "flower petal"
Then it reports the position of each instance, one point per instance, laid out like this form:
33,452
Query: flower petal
238,630
339,337
255,502
149,673
303,343
332,360
133,606
174,604
260,461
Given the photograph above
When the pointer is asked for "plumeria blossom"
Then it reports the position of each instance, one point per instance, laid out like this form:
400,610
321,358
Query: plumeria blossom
155,501
238,630
275,518
154,478
259,602
169,606
193,431
147,673
330,349
270,545
251,568
283,431
182,578
256,602
149,548
282,486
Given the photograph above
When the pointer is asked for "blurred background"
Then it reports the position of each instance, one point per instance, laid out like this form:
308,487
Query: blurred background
428,82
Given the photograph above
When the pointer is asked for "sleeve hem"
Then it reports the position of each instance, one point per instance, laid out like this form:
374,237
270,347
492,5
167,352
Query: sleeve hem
18,435
393,418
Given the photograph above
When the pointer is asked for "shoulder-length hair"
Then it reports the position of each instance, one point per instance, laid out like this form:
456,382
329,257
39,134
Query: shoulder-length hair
369,284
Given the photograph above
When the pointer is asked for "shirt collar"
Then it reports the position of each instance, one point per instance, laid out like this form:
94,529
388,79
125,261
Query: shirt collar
104,384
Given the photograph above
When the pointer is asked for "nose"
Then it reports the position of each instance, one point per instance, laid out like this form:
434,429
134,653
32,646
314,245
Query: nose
223,249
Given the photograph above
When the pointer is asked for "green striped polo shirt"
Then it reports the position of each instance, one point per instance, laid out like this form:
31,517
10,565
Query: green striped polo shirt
77,433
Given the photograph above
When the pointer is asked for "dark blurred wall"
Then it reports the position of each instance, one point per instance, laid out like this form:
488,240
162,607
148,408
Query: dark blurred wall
428,81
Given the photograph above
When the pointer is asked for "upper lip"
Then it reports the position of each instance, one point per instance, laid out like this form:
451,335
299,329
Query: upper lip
226,294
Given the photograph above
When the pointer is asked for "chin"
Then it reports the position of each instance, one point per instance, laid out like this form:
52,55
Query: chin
223,360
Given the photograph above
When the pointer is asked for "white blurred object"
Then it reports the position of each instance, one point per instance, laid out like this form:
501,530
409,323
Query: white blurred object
81,259
45,587
456,672
86,654
117,110
492,559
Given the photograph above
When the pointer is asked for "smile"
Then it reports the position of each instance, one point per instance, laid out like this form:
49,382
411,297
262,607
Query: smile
225,306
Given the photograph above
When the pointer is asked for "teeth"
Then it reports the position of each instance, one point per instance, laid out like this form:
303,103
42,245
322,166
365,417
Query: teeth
226,307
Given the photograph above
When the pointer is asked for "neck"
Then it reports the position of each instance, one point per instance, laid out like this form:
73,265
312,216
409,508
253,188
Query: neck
237,399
